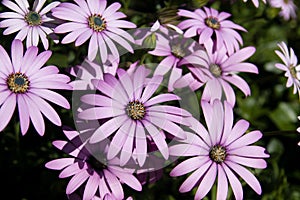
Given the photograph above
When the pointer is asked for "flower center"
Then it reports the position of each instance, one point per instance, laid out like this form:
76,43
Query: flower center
293,71
217,154
177,51
136,110
212,22
18,82
33,18
97,23
215,70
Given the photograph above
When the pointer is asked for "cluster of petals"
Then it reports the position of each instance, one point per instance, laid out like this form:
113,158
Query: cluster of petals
29,23
132,114
89,70
93,20
26,83
220,154
287,8
209,24
216,70
89,168
290,66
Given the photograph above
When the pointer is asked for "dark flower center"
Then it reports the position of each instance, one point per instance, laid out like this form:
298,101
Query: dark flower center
212,22
215,70
217,154
33,18
136,110
18,82
97,165
177,51
293,71
97,23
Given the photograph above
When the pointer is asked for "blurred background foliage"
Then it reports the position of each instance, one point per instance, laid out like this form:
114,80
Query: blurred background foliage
271,108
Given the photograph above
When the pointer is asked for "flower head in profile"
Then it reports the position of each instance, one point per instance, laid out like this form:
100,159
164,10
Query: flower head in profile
29,23
89,168
288,8
209,24
216,70
290,66
256,2
92,20
171,45
221,153
26,83
133,114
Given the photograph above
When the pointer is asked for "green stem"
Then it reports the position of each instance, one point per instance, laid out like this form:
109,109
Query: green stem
278,133
17,134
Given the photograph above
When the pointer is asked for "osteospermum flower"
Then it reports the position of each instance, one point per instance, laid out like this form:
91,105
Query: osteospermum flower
174,47
89,168
31,23
255,2
92,20
26,83
133,114
219,154
216,70
288,8
290,66
209,23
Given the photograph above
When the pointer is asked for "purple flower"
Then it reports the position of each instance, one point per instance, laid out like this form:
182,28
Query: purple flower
26,83
89,70
92,20
255,2
288,8
290,66
133,114
219,154
171,45
216,70
210,23
29,23
89,168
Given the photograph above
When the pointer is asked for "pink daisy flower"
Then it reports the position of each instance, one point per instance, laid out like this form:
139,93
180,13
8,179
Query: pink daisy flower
210,24
171,45
290,66
216,70
288,8
26,83
89,168
133,114
219,154
92,20
31,23
256,2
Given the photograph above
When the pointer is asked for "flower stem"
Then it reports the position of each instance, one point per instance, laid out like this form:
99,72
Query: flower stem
277,133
